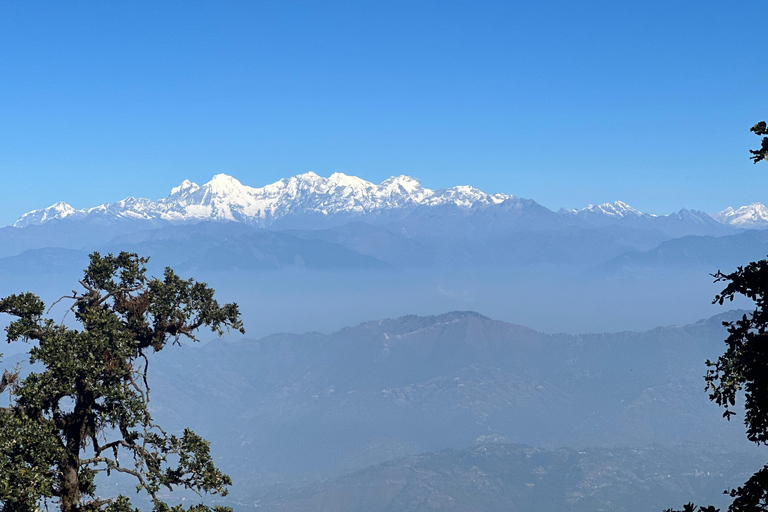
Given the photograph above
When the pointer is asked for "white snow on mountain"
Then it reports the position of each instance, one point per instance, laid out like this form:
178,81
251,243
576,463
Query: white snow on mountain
308,195
59,210
464,196
753,216
226,199
609,213
615,210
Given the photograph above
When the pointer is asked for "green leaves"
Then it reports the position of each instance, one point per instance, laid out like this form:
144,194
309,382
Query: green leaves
742,369
92,397
690,507
125,271
29,450
28,308
182,306
742,366
760,154
194,470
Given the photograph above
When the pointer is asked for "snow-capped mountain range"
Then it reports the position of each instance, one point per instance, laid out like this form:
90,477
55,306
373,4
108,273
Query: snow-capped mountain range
617,209
224,198
753,216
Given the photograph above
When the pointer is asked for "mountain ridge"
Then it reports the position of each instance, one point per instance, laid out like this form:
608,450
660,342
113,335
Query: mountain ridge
338,402
224,198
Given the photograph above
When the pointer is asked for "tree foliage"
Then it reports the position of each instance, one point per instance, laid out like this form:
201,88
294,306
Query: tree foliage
87,411
743,368
691,507
760,154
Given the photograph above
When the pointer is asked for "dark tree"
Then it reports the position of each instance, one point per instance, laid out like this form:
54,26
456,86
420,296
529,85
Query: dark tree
759,154
690,507
87,411
743,368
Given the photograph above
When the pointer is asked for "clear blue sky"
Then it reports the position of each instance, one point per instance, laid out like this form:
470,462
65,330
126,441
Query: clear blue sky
564,102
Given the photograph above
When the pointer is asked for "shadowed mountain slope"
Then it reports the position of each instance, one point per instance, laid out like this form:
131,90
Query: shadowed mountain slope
510,478
326,404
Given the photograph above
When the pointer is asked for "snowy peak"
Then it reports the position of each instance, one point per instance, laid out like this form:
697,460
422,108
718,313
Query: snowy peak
224,182
59,210
342,180
405,183
615,209
680,223
607,211
226,188
185,187
694,217
465,197
753,216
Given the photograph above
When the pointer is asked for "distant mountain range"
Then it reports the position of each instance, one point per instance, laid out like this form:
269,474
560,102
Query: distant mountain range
345,222
399,248
458,412
295,407
309,197
495,477
337,402
226,199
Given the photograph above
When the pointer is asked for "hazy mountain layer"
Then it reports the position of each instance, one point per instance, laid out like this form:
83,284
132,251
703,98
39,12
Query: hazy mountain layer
293,406
528,266
509,478
698,252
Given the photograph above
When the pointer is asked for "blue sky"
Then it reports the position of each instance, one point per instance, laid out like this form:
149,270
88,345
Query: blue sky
563,102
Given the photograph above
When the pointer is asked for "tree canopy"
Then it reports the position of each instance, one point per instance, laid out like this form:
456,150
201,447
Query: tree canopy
760,154
87,411
743,368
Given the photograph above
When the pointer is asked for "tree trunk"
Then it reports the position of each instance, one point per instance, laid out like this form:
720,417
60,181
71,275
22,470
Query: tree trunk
70,487
76,433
